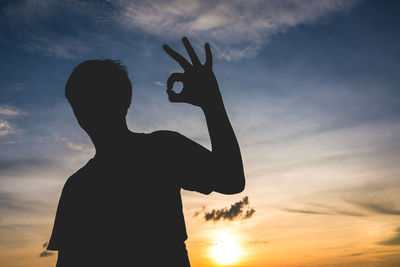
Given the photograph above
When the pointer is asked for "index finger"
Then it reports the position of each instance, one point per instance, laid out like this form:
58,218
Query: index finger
175,55
208,55
190,50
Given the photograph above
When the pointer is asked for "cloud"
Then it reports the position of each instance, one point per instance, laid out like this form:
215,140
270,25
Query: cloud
239,28
62,47
381,208
394,241
10,111
198,212
249,213
159,83
12,165
355,254
306,211
12,203
327,210
6,128
234,212
46,254
75,146
235,29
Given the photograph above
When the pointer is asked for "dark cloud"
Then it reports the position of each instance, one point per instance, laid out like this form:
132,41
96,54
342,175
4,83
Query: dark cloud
350,213
306,211
46,254
327,211
236,211
249,213
381,208
386,251
355,254
394,241
198,212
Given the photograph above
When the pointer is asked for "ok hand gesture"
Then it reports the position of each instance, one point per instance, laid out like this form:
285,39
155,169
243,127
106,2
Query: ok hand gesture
200,87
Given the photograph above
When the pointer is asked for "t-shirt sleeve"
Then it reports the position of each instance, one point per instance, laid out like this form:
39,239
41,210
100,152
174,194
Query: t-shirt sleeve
60,237
191,163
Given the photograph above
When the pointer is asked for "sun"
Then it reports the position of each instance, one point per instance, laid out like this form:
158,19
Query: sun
226,250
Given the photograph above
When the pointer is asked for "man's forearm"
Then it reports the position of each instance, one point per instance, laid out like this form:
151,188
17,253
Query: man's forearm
225,148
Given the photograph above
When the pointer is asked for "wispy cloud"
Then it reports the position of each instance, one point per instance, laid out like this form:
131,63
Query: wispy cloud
326,211
65,47
378,196
381,208
159,83
12,203
236,211
75,145
7,110
236,29
394,241
6,128
355,254
306,211
240,28
13,166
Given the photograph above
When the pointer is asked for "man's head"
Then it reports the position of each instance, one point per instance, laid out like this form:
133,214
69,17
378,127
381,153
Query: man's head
100,94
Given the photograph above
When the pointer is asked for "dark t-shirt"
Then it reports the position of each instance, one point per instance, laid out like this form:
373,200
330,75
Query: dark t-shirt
128,205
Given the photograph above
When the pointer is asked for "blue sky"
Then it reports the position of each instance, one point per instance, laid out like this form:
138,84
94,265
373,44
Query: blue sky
339,60
312,89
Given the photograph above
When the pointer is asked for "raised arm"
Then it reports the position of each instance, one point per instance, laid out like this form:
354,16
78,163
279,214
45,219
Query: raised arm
200,88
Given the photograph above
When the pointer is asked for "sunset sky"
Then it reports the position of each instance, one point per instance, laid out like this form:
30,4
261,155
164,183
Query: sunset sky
312,89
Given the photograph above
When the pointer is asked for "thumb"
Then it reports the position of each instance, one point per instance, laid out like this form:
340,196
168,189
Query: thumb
174,97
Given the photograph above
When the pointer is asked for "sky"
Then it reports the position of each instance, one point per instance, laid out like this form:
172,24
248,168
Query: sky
312,91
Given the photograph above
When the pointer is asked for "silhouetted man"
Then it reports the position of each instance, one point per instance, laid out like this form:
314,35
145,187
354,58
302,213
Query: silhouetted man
123,208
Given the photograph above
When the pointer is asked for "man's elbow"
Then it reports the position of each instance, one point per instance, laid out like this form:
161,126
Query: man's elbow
234,185
239,185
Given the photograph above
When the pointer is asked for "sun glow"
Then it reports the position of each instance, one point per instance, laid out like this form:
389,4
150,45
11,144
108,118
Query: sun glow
226,250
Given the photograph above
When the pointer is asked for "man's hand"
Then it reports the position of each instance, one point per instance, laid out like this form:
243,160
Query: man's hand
200,87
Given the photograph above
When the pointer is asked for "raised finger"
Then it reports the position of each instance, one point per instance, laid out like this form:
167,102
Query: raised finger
208,56
191,52
175,55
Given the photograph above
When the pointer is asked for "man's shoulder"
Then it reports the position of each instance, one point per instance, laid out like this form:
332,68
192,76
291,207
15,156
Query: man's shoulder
167,135
77,177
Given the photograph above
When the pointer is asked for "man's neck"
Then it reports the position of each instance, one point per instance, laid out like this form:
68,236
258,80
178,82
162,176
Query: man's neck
111,142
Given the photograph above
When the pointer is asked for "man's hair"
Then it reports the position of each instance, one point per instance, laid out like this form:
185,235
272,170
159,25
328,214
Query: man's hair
99,83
